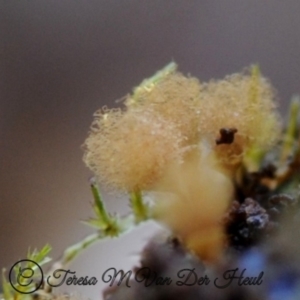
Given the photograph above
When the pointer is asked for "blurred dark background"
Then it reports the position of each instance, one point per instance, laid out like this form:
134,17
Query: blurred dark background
62,60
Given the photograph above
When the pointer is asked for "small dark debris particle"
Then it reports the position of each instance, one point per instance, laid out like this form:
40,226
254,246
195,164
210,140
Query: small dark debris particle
227,136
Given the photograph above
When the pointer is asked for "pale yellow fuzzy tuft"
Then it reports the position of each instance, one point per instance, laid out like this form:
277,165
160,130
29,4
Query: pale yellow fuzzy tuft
191,200
244,102
129,150
170,113
174,97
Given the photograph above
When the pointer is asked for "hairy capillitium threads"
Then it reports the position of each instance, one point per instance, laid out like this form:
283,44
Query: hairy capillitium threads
244,102
174,97
170,113
129,150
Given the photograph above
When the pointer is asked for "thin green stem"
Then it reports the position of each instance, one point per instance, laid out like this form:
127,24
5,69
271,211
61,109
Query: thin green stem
126,224
148,83
139,208
74,250
100,204
291,131
254,90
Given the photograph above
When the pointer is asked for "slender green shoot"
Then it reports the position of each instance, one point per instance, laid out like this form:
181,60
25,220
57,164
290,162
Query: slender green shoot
139,208
290,135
